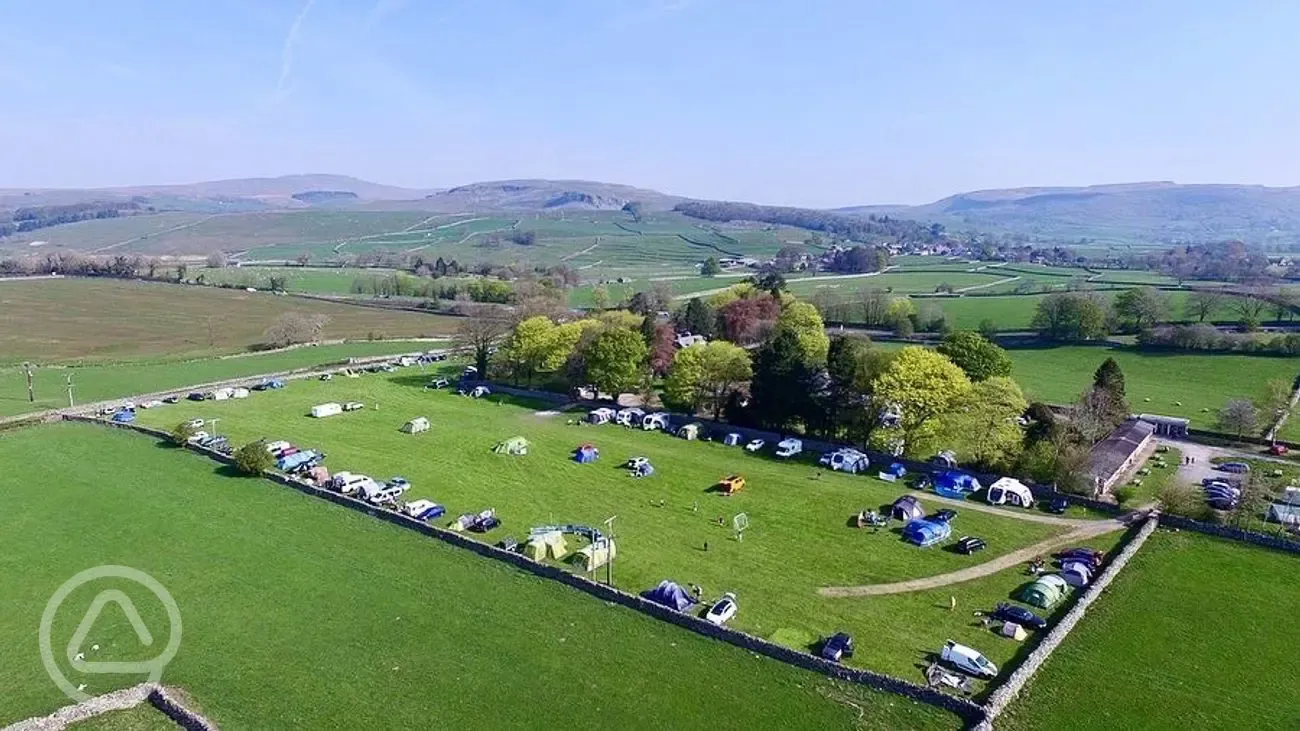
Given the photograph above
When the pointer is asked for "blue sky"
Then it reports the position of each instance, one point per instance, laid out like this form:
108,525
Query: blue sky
804,102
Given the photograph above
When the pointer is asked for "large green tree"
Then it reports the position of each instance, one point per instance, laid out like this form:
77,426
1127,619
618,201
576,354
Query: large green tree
1143,307
975,355
538,345
698,318
1072,316
984,424
615,360
786,388
704,376
922,385
805,323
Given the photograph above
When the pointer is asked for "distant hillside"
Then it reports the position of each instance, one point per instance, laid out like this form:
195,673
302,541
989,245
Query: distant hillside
536,195
317,197
1156,213
238,194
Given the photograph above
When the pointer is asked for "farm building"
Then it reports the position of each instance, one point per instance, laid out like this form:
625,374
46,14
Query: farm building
320,411
926,532
1045,592
513,446
907,507
415,426
1118,453
1166,426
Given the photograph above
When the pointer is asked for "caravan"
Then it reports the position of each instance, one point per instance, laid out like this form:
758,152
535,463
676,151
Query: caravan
320,411
787,448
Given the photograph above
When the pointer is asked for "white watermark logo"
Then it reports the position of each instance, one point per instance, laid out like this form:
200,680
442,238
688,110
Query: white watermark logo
75,654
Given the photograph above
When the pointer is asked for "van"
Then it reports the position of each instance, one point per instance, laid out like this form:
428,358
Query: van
348,483
1236,468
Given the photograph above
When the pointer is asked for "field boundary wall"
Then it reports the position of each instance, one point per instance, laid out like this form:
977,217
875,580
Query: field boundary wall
163,700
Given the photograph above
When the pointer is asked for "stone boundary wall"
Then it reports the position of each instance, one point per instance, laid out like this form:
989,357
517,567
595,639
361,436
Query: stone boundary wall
1004,694
119,700
1279,543
966,709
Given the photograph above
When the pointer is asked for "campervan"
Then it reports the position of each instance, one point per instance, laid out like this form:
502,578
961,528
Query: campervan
787,448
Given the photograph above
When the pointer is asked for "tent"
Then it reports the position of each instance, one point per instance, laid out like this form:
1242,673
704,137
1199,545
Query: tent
645,469
896,469
954,484
689,432
845,459
541,545
1076,574
416,425
597,554
124,417
1010,490
670,595
1045,592
630,416
513,445
947,458
731,440
907,508
1014,631
317,475
655,421
926,532
586,454
600,416
1284,513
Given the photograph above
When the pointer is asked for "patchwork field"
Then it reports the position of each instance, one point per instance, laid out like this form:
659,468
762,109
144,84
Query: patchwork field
799,538
102,319
1186,638
101,382
1192,386
298,613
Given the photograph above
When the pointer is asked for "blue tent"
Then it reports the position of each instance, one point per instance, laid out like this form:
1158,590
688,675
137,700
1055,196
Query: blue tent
953,484
124,417
585,454
897,469
926,532
670,595
275,383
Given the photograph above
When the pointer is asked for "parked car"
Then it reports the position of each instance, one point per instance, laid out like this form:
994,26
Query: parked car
1058,506
755,445
424,510
922,482
196,396
837,647
1019,615
943,516
970,544
722,610
353,406
1222,503
1236,468
483,525
172,400
968,660
327,376
1278,450
1082,554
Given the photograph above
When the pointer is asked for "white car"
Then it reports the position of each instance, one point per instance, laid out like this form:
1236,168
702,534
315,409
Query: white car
198,436
327,376
722,610
968,660
353,406
278,446
755,445
194,423
151,404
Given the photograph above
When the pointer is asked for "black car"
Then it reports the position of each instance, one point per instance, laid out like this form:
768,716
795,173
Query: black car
1019,615
196,396
485,525
1058,506
838,646
922,482
943,516
1224,504
172,400
970,544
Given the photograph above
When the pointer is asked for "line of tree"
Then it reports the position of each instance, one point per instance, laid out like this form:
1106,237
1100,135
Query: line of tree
1211,339
37,217
871,228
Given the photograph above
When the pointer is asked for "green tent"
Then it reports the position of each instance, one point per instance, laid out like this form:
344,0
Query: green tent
1045,592
513,445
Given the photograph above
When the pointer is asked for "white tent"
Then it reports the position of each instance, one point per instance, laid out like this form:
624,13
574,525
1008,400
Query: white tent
731,439
1010,490
602,415
321,411
630,416
655,421
239,393
416,425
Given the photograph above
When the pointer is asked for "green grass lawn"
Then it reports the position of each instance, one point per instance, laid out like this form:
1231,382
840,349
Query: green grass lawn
1196,633
298,613
93,383
1193,386
1156,479
106,319
143,717
798,540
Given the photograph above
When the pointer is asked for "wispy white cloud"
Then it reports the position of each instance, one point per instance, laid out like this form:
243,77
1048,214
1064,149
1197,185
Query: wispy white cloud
286,50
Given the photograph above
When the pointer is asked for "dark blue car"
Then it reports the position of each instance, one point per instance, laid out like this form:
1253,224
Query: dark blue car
837,647
1019,615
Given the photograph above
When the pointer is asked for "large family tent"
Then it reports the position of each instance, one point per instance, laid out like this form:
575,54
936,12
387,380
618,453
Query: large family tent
597,554
731,440
541,545
586,454
689,432
926,532
670,595
513,445
600,416
416,425
651,422
1010,490
846,460
907,508
1046,591
124,417
630,416
954,484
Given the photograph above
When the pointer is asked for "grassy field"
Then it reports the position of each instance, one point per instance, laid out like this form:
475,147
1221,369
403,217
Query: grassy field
104,319
297,279
298,613
143,717
1193,386
898,282
799,539
93,383
1192,635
